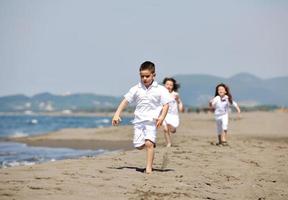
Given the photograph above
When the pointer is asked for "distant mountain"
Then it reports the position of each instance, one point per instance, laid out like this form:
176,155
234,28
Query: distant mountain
46,102
195,90
246,89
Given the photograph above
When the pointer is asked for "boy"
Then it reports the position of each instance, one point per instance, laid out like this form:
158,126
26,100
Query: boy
152,104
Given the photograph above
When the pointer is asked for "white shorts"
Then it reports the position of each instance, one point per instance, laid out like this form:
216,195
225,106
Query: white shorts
222,123
172,120
144,131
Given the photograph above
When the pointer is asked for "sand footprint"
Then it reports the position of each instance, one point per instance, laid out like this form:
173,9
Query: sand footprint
165,161
256,164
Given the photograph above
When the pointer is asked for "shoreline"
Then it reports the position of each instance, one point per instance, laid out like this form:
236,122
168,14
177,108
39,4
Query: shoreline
76,144
102,137
81,139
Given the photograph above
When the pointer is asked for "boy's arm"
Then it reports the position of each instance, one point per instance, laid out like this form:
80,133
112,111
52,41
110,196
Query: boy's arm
164,112
116,118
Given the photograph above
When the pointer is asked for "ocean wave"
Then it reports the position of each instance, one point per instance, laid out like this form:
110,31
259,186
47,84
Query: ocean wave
19,135
104,121
18,154
6,164
33,121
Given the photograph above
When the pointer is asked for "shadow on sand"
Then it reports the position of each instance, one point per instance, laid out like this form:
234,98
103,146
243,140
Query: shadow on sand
142,170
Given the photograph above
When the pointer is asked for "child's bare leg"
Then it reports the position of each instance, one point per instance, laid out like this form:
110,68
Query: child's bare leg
141,147
172,129
167,135
224,136
149,155
219,139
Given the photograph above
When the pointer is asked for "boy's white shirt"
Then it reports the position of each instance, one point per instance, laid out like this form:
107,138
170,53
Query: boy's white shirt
149,102
221,105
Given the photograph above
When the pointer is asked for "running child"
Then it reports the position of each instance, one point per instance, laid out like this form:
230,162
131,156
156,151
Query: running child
152,104
220,104
171,121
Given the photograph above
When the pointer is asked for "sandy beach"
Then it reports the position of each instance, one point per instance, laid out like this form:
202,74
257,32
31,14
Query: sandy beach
254,165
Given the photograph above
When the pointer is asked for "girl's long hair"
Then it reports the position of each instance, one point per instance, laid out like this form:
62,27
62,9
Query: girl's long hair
176,85
228,93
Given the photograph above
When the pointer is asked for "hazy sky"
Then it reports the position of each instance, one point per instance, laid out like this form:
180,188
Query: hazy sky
95,46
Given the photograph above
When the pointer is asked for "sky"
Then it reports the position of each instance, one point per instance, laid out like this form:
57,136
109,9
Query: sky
91,46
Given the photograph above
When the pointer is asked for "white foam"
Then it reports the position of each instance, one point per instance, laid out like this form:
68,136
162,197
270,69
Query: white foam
16,164
34,121
19,135
105,121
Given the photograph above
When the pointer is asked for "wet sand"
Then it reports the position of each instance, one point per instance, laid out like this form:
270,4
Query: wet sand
253,166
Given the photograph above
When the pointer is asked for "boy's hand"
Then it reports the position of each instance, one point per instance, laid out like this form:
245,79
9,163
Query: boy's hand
116,120
159,122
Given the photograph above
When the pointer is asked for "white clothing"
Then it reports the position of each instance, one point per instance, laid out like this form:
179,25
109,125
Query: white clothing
149,102
144,131
172,116
222,123
173,105
221,106
172,120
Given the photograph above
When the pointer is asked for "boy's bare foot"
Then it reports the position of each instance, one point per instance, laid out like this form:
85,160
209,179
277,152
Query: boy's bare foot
168,145
148,171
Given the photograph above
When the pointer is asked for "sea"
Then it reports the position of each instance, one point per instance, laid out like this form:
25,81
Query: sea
16,154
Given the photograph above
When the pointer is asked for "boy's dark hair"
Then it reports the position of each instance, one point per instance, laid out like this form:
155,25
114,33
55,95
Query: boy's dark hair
228,93
176,85
147,65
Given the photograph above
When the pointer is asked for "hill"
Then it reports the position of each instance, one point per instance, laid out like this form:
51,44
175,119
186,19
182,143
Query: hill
246,89
46,102
195,90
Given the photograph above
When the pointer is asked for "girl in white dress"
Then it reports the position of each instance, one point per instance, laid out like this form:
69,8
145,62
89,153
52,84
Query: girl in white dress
171,121
220,104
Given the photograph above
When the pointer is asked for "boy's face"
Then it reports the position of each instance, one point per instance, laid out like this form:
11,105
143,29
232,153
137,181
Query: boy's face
147,77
